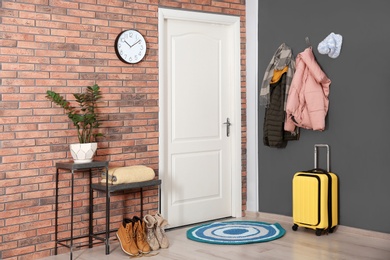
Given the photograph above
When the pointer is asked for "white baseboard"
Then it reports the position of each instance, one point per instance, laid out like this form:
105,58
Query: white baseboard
340,228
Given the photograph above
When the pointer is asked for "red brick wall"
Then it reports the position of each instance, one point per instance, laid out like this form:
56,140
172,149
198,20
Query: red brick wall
65,46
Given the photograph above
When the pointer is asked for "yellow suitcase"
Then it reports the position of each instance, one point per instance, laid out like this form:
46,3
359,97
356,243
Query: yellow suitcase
315,198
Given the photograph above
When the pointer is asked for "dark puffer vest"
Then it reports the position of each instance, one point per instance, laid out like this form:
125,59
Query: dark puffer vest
273,128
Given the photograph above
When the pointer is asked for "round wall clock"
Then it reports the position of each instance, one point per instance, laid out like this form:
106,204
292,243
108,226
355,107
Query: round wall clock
130,46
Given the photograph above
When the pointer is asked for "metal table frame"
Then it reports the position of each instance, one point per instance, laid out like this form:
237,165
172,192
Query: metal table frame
103,187
75,167
110,188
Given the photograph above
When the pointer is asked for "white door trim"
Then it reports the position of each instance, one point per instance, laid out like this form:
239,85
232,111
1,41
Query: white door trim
252,144
233,21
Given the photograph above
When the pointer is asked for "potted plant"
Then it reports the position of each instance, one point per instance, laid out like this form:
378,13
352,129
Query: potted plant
84,118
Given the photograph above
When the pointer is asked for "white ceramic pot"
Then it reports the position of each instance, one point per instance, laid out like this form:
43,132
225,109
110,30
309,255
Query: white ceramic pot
83,153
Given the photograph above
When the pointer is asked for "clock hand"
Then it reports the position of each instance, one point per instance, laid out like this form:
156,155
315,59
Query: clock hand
127,43
135,43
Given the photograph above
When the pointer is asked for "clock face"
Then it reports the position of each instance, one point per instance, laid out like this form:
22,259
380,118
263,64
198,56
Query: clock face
130,46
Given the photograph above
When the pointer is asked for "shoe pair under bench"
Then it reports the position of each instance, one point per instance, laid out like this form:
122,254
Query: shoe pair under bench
140,236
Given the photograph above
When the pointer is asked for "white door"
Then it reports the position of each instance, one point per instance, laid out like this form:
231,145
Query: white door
199,78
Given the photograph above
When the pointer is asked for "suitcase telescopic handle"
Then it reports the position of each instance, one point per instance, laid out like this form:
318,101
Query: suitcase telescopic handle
316,146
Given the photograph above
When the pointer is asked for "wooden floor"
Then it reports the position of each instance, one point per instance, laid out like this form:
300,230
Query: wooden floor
346,243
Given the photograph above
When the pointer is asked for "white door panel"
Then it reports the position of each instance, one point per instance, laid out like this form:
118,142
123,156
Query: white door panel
195,82
197,169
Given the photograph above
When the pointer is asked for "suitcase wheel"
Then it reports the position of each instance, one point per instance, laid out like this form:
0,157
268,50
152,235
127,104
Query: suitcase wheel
295,227
331,230
319,232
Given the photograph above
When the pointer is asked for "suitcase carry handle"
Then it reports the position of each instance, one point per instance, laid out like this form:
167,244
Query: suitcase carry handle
318,170
316,146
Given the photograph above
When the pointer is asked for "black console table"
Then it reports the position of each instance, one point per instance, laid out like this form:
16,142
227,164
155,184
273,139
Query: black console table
72,168
107,188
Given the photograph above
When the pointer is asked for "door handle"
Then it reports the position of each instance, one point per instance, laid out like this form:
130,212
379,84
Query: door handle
228,124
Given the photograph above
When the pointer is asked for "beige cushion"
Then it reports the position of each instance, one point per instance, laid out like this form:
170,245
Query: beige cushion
129,174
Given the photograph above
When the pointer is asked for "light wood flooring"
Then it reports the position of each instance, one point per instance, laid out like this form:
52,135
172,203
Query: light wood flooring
346,243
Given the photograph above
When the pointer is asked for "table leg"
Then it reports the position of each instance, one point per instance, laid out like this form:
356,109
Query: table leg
159,198
142,208
90,208
71,217
107,216
56,217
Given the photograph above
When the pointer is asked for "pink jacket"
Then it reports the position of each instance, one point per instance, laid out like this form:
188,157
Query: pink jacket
307,103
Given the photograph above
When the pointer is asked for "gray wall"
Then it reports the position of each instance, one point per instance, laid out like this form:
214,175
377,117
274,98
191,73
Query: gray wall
358,121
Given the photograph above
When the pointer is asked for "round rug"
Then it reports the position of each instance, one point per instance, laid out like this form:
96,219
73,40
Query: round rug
235,232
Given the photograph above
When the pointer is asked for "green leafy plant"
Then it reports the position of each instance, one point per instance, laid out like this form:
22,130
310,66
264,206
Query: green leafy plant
85,118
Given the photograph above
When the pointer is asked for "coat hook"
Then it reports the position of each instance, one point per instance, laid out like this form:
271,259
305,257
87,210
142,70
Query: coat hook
307,42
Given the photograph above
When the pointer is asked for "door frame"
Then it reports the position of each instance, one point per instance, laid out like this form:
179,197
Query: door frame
235,99
252,131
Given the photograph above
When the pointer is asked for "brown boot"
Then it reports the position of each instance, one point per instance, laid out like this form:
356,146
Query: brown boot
139,229
160,231
150,223
126,238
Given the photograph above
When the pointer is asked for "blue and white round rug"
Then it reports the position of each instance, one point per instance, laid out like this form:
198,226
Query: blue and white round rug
235,232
